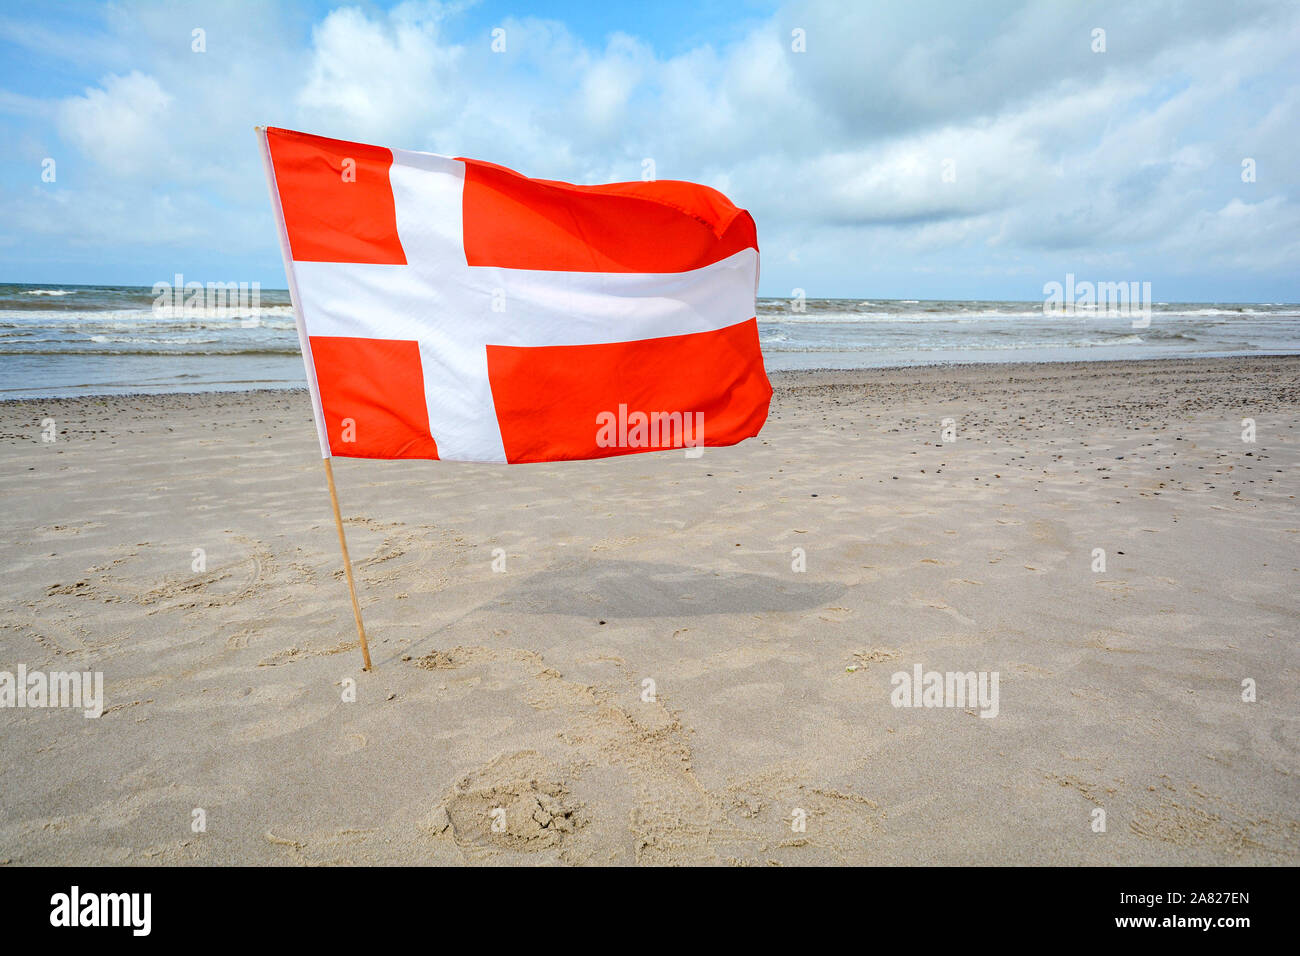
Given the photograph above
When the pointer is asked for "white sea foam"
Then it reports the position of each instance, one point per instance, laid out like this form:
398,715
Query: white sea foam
934,345
164,318
51,337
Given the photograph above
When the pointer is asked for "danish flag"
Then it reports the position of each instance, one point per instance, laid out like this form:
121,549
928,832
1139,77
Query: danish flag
455,309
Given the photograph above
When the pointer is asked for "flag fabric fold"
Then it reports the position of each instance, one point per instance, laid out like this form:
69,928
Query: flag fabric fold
454,309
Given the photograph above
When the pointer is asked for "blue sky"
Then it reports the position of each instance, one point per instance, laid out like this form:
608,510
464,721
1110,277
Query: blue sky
912,149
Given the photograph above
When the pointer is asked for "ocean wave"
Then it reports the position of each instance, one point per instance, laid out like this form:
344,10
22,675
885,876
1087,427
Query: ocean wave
165,314
49,292
133,321
1241,312
933,346
185,313
1204,317
873,318
176,352
147,340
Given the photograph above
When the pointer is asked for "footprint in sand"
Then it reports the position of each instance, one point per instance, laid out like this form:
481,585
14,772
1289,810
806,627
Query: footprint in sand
516,801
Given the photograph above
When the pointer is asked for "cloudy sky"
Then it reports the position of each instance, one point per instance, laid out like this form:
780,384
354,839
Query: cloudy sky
909,149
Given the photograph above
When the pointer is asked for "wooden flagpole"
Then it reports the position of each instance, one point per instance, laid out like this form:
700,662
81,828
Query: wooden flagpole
317,411
347,564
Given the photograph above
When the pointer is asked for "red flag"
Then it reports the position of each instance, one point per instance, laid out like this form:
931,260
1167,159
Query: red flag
454,309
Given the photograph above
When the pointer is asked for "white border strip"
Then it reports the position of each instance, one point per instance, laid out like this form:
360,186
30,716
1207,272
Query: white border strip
287,255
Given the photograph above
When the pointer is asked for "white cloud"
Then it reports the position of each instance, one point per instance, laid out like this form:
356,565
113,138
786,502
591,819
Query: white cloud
123,124
377,79
1061,154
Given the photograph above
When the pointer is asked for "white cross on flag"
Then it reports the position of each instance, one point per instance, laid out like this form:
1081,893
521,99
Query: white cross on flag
454,309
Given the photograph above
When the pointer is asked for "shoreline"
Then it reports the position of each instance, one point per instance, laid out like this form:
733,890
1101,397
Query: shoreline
774,375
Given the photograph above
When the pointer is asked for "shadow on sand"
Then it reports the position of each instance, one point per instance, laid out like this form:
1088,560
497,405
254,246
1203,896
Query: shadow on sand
616,590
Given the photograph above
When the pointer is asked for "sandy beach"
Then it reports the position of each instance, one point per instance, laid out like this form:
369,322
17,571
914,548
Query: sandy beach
616,661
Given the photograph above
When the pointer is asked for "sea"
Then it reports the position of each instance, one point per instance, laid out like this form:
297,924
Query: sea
58,340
